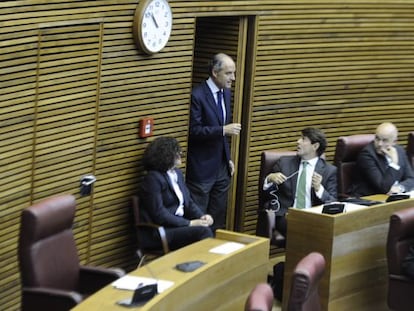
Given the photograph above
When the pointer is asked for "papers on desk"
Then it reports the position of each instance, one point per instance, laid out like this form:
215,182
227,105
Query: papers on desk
227,248
130,282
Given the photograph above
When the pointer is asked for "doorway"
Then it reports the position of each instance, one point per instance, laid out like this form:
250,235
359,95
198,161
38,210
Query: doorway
234,36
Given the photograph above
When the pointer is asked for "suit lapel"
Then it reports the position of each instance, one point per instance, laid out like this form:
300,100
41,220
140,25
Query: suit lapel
320,166
382,162
294,179
226,98
212,102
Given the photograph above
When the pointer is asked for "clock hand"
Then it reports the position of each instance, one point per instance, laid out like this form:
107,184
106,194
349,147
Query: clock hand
155,21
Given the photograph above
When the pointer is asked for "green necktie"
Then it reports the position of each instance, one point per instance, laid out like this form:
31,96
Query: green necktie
301,190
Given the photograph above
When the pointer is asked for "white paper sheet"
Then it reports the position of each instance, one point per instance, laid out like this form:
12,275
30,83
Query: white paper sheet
130,282
227,248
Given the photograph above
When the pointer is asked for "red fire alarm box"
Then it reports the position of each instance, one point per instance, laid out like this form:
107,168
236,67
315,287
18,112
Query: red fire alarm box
146,126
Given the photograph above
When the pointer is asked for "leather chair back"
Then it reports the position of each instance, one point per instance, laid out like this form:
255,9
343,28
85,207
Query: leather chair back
47,251
346,153
410,148
268,159
260,298
304,295
400,237
265,224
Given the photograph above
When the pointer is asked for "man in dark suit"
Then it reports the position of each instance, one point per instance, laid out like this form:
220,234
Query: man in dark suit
303,180
209,166
383,166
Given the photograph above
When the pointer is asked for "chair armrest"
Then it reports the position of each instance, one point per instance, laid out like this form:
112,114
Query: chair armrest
44,298
265,223
161,233
401,278
92,279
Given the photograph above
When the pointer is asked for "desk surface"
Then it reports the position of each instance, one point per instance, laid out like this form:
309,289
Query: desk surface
223,283
354,247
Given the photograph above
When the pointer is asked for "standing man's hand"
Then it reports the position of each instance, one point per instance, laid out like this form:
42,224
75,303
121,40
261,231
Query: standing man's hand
232,129
231,165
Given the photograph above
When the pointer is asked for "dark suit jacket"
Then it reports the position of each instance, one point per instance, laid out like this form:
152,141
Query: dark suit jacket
207,146
160,201
287,190
374,175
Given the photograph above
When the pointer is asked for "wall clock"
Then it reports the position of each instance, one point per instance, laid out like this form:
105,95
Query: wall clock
152,25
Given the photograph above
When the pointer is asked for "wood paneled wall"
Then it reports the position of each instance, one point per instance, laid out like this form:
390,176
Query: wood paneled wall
73,88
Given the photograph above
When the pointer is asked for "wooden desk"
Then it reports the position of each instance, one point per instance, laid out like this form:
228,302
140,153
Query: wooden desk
354,247
223,283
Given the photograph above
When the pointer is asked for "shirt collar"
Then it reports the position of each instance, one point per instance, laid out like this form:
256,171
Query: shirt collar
172,174
312,162
213,87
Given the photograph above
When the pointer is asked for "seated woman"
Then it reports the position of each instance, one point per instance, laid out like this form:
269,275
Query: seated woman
166,198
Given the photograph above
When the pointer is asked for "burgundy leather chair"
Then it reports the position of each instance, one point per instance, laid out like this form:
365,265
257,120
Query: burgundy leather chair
400,237
52,277
265,225
410,148
346,153
260,298
304,295
143,225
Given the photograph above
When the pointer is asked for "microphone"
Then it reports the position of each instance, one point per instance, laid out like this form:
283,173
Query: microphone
142,293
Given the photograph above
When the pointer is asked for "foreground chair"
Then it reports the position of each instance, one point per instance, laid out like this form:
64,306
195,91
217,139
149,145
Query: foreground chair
265,225
304,295
145,228
400,237
52,277
260,298
346,153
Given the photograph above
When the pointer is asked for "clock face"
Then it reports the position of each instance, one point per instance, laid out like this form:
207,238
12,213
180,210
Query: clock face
152,25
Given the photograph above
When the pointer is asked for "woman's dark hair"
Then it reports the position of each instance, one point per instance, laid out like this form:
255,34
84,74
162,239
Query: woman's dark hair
316,136
161,153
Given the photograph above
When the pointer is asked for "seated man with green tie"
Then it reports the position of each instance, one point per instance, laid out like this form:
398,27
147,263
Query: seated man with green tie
303,180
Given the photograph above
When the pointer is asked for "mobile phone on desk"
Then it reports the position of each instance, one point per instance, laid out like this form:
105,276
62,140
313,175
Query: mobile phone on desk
141,296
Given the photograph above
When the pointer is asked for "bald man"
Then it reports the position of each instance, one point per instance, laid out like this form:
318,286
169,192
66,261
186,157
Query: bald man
383,166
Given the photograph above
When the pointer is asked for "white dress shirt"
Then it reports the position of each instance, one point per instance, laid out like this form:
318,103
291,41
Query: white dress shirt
174,181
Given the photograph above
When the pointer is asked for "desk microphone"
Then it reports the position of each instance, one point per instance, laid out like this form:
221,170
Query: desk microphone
142,293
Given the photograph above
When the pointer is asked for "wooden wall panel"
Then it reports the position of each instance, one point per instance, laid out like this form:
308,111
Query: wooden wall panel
73,88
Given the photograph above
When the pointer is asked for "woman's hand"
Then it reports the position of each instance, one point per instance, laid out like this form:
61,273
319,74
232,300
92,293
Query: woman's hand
205,221
208,218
